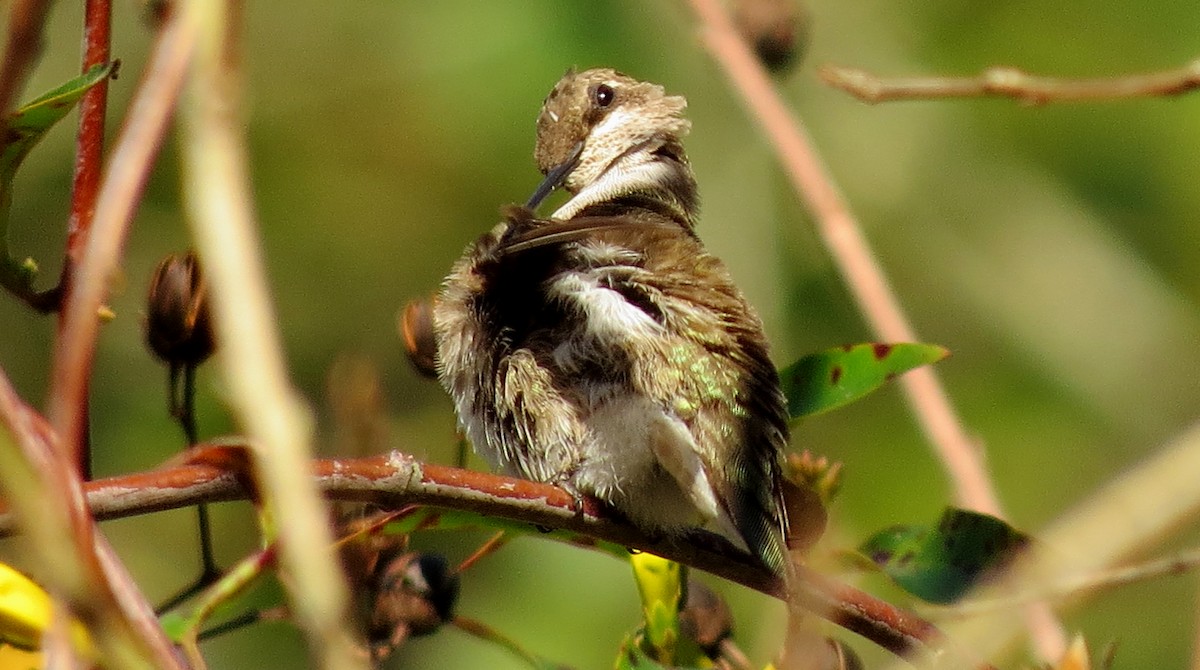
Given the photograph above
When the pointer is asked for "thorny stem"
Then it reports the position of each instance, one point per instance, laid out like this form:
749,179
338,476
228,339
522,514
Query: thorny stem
851,252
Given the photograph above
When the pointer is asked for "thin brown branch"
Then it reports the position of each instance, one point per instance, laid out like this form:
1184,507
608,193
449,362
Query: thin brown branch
395,480
89,157
852,254
24,47
125,176
220,213
1008,82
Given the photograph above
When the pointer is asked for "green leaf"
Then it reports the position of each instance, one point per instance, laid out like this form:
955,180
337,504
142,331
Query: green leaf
633,656
943,563
175,625
25,128
835,377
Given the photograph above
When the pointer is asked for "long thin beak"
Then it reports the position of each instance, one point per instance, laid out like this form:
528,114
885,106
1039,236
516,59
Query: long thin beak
554,178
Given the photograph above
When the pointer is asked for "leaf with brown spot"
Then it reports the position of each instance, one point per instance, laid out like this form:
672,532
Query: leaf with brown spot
827,380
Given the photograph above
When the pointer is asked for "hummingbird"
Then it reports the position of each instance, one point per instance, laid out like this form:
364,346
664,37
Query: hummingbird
603,349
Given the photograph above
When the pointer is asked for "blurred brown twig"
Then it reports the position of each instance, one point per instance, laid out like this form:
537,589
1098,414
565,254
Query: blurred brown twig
1009,82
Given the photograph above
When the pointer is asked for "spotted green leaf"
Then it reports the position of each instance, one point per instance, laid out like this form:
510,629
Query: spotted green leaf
24,129
829,379
942,563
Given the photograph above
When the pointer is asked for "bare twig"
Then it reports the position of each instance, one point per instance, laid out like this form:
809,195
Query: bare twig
220,213
395,480
849,248
1008,82
126,173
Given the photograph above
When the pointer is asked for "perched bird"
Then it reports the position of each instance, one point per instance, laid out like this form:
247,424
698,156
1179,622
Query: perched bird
604,349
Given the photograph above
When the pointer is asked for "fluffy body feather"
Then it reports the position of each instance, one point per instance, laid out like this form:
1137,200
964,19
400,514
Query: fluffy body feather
604,349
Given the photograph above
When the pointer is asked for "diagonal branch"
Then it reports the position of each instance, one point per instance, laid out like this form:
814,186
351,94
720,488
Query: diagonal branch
852,254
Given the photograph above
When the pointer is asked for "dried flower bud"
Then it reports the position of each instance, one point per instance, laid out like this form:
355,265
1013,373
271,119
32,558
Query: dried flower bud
412,594
420,343
704,617
777,29
178,329
806,516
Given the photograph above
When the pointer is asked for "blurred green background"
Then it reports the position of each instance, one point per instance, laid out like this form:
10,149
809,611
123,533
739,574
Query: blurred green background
1054,250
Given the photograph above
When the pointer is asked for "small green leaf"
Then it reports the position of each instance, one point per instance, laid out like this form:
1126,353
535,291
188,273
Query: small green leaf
943,563
835,377
634,657
25,128
175,625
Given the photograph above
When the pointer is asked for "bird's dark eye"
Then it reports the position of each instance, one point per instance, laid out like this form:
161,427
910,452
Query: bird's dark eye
604,95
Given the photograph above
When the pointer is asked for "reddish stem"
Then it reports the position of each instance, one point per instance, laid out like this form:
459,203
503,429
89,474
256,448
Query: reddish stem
89,163
89,150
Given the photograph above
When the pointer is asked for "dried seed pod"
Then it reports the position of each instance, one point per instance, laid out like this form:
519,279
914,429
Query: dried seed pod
178,329
411,594
777,29
704,617
398,593
806,515
416,328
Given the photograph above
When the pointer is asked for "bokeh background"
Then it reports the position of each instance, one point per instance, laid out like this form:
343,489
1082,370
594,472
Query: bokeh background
1054,250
